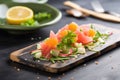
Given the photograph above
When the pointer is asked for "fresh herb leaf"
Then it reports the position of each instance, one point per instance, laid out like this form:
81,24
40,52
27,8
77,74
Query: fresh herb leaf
41,16
97,35
105,36
30,22
37,18
54,59
67,42
91,26
42,58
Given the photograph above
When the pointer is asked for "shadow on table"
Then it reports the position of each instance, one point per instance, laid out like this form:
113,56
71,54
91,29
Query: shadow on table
16,40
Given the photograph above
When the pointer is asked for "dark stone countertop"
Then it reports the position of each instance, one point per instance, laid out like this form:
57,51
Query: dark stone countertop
108,67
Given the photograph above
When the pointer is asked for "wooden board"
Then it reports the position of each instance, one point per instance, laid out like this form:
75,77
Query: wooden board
23,55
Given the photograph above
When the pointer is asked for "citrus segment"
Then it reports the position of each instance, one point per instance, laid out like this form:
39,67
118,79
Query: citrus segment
92,32
73,26
82,38
45,50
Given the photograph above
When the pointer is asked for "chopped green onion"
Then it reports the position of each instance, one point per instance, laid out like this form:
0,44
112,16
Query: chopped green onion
58,59
37,18
41,16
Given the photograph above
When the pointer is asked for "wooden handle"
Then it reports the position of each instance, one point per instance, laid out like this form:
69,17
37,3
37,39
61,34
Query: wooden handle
92,13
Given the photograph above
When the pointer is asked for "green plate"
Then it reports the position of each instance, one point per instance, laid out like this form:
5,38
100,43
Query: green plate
36,7
33,1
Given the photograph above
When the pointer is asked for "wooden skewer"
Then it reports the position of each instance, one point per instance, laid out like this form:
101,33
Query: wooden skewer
103,16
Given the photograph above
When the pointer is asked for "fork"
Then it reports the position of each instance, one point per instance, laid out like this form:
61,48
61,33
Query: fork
98,8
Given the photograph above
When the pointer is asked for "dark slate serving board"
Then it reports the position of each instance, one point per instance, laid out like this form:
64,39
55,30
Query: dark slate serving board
23,55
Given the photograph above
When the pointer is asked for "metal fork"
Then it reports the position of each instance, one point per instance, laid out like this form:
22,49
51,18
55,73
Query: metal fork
98,8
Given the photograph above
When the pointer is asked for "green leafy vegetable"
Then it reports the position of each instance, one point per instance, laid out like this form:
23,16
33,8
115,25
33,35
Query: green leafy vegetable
53,59
30,22
42,16
37,18
105,36
97,35
67,42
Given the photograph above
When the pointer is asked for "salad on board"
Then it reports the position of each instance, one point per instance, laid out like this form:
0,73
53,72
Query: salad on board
70,41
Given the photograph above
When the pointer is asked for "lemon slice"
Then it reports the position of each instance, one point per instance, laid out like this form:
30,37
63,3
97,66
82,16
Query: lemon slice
18,14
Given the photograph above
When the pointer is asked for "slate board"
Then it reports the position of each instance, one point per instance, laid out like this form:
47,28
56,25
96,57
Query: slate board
23,55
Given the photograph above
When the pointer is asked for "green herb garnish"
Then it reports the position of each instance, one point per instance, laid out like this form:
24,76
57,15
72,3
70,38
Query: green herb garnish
42,16
67,42
54,59
37,18
30,22
97,35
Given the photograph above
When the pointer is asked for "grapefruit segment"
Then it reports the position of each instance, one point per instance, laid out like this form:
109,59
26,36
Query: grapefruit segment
82,38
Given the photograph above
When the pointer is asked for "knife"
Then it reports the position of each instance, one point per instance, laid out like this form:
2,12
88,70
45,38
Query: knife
98,8
103,16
